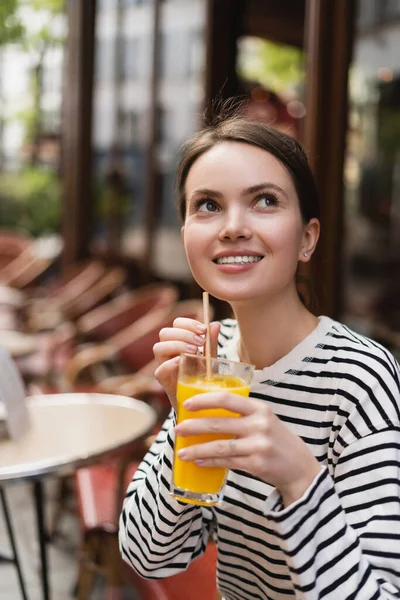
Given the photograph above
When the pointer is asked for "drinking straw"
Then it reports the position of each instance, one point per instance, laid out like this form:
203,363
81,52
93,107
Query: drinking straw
206,319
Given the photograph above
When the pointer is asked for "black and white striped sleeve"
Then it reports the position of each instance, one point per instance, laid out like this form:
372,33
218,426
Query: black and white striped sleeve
342,539
158,535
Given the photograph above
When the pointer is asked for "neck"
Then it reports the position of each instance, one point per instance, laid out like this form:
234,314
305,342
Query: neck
270,330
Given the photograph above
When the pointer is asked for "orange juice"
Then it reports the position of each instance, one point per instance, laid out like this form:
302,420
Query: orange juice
187,475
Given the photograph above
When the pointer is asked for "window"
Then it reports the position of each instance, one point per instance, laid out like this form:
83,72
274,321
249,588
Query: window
372,187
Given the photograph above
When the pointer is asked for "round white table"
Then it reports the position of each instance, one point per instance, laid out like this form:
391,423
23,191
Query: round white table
68,431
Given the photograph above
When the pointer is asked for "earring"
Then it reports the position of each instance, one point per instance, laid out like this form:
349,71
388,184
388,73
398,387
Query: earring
305,254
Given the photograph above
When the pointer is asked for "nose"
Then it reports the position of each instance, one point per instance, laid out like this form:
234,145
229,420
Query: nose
235,225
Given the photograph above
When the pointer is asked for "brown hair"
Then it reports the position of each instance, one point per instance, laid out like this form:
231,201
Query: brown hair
238,128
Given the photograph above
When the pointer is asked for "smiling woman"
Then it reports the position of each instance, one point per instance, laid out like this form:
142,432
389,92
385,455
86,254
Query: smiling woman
247,223
299,513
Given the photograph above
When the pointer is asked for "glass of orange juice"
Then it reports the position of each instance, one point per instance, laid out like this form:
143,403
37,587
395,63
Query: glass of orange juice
198,375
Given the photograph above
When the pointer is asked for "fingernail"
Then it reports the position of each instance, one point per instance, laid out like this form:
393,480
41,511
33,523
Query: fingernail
188,403
181,453
200,339
191,348
201,328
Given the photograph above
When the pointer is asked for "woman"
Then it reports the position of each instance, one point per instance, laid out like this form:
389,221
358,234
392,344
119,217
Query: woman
312,503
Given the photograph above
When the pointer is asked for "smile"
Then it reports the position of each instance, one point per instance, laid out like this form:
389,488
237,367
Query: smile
240,260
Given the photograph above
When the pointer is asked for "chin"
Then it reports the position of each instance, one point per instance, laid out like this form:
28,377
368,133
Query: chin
231,295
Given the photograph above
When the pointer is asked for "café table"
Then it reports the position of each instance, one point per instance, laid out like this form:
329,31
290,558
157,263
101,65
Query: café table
68,431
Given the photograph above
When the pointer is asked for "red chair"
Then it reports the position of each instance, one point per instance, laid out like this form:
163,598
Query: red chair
114,316
32,262
132,347
98,510
75,280
110,282
198,582
46,308
12,243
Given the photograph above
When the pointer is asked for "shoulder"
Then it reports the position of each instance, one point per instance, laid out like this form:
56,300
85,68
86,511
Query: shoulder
369,373
345,342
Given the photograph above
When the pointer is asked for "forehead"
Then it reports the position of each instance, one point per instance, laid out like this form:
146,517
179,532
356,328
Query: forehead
235,164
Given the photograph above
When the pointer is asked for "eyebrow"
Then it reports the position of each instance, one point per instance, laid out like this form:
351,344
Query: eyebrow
263,186
245,192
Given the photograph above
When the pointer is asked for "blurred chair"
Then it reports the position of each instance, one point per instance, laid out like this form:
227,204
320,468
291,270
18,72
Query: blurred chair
12,243
99,509
52,351
32,262
11,305
110,283
46,308
75,280
96,363
99,491
104,321
112,317
52,319
131,348
198,582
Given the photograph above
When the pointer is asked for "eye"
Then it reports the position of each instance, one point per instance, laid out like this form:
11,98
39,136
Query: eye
206,205
266,201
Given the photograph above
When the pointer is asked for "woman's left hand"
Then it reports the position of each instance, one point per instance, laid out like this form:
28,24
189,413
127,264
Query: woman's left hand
262,446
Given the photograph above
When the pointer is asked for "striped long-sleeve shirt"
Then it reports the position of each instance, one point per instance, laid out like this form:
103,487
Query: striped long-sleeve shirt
339,391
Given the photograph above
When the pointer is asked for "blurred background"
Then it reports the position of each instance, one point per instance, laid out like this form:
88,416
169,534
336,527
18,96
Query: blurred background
96,97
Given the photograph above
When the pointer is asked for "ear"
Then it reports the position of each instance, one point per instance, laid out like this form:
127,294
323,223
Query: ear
310,239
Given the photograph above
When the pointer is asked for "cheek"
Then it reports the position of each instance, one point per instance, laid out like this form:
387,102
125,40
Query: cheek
285,243
194,245
289,236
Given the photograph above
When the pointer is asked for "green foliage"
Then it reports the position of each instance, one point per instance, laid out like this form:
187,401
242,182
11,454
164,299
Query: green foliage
11,28
389,134
39,41
28,118
277,67
53,6
30,200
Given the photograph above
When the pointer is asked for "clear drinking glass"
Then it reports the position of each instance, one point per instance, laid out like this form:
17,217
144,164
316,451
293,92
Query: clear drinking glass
191,483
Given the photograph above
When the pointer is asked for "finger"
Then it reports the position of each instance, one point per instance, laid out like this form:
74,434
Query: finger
233,402
166,350
220,426
190,325
167,376
240,463
174,334
219,449
214,333
167,372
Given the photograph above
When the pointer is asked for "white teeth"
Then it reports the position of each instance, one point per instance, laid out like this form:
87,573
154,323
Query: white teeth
237,259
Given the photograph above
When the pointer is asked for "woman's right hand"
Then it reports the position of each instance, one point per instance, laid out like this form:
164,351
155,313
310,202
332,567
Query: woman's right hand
185,336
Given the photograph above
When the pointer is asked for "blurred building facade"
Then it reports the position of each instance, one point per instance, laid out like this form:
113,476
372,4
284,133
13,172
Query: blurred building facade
141,73
122,121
